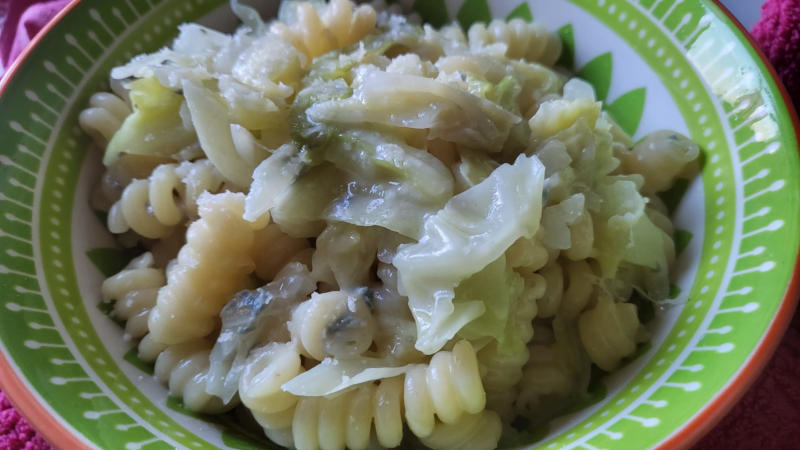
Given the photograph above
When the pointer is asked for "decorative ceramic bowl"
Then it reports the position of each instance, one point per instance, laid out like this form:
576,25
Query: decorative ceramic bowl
677,64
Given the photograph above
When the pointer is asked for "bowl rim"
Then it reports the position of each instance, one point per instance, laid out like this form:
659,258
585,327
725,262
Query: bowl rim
714,411
28,403
36,411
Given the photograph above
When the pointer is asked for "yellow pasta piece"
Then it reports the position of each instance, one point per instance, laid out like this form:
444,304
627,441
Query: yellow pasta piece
212,266
608,332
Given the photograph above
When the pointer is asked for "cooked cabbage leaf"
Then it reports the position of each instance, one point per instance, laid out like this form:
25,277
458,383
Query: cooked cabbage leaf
331,376
325,192
154,128
271,180
625,234
365,178
210,119
473,229
497,286
418,102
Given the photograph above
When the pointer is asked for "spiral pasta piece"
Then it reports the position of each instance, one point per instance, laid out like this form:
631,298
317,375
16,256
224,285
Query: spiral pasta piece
318,422
340,24
149,348
558,370
570,286
580,288
550,301
134,291
103,117
155,206
527,254
273,249
549,378
449,386
501,366
184,369
608,331
479,431
212,266
266,370
332,324
523,40
347,420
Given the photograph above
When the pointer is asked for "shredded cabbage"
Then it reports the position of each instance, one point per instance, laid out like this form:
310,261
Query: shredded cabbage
472,230
331,376
497,286
412,101
154,128
271,179
214,133
365,179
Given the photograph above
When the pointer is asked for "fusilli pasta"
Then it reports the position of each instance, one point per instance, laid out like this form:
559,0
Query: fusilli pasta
332,324
104,116
184,369
660,158
479,431
273,249
501,366
154,207
557,371
448,387
347,420
608,331
339,25
267,368
134,291
522,40
210,268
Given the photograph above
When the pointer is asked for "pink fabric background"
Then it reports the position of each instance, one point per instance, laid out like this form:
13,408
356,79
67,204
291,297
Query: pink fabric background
767,417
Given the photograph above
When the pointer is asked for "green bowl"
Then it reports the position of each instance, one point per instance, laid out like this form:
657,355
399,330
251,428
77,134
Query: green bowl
677,64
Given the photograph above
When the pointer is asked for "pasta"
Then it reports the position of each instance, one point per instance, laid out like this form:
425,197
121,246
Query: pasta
472,431
332,324
272,249
133,291
608,332
368,232
530,41
558,371
154,207
338,26
210,268
104,116
184,368
502,366
448,387
260,389
347,420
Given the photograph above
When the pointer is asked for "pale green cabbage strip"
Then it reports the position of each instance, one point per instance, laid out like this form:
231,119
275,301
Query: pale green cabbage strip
473,229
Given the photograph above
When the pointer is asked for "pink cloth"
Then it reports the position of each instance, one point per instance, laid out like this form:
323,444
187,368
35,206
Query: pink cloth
15,433
778,35
23,19
767,417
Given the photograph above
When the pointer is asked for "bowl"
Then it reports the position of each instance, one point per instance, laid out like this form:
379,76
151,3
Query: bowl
676,64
